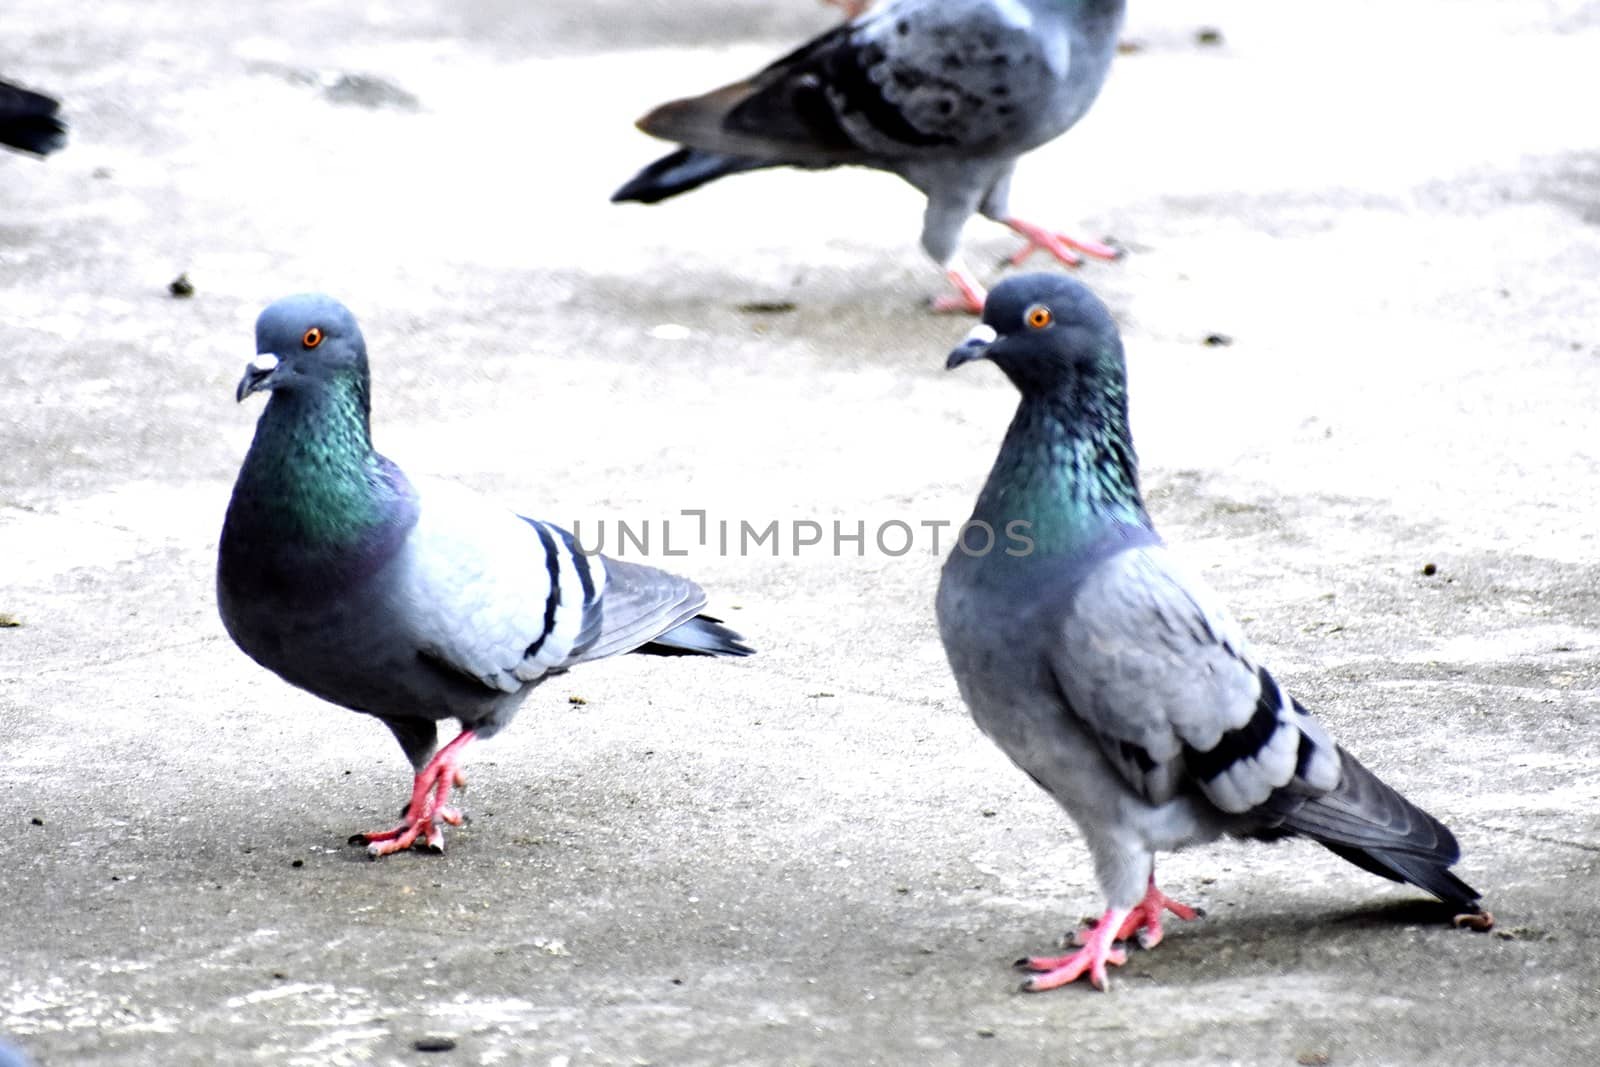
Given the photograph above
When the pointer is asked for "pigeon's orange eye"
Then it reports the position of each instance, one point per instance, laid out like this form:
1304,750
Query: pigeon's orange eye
312,338
1038,316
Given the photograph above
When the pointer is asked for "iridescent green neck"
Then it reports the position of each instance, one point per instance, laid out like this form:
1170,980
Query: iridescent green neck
1067,468
311,470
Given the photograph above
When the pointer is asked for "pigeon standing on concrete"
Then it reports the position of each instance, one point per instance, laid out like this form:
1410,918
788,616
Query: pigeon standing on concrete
412,602
1112,676
29,120
945,93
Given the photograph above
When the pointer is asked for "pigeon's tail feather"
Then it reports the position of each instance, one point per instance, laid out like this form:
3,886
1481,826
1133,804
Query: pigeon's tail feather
765,119
1405,867
1368,823
648,610
699,636
681,171
696,119
28,121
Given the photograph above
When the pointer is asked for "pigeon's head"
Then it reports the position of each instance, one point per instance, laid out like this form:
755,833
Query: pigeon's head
302,341
1046,332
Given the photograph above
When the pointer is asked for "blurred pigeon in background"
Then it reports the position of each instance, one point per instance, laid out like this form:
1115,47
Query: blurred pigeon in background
1112,676
412,602
29,121
945,93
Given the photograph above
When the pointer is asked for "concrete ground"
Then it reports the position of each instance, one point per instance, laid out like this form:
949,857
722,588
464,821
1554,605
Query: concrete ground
810,857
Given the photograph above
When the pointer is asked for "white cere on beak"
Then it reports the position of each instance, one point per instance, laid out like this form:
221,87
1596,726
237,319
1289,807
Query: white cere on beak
266,363
982,334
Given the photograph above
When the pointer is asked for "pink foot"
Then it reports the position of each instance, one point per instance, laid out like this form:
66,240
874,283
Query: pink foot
969,297
1098,950
427,809
851,8
1145,918
1064,248
1099,941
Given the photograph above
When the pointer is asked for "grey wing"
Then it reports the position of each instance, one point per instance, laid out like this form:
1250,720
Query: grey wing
641,603
917,78
494,596
1165,683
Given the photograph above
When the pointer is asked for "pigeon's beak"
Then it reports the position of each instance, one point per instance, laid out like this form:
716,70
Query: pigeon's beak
976,346
257,375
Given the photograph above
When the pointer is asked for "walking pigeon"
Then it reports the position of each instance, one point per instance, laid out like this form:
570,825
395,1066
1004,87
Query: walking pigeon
945,93
410,601
28,121
1114,677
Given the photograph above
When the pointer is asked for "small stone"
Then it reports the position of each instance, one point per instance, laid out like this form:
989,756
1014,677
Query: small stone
1217,340
577,702
1208,35
434,1044
1429,570
985,1031
181,287
768,307
298,863
368,91
36,821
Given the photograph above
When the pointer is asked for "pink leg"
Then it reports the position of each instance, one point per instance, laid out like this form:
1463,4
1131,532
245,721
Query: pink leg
970,295
429,792
1099,940
1064,248
1145,917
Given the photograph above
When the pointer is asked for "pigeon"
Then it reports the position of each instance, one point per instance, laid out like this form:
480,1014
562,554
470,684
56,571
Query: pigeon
28,121
411,601
945,93
1111,675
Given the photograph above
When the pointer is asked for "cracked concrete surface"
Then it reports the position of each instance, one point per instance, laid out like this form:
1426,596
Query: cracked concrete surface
811,856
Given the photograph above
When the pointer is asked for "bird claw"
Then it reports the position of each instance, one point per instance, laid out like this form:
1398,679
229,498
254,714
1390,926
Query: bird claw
1144,921
1056,971
1479,920
1065,249
427,808
967,299
1102,942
